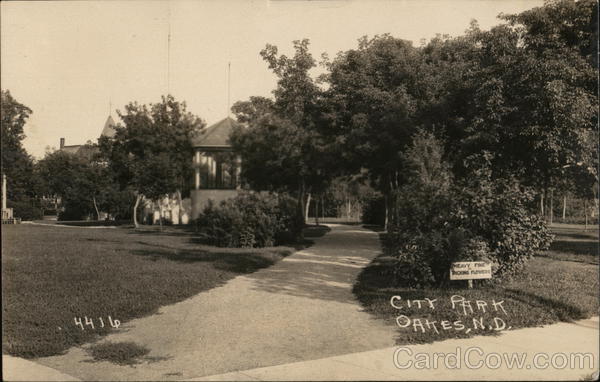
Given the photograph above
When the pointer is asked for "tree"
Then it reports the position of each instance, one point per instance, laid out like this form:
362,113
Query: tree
376,98
562,38
151,152
561,25
524,91
253,110
281,147
278,156
73,179
296,91
17,165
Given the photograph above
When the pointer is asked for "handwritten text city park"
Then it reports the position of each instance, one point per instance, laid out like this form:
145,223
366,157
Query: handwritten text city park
460,305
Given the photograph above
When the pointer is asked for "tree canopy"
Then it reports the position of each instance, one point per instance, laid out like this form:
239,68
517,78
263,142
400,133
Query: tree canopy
152,149
17,165
280,145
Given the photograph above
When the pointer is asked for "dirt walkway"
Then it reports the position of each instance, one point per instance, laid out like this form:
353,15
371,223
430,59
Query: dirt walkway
302,308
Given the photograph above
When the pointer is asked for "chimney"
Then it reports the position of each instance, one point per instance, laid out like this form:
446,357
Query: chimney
62,143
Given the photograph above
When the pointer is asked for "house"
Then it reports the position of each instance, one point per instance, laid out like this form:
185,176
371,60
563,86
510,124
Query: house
107,131
216,167
216,177
216,173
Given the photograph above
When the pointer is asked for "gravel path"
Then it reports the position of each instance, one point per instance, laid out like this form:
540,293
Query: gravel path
302,308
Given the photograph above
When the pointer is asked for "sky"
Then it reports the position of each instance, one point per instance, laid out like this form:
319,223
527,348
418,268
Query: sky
75,62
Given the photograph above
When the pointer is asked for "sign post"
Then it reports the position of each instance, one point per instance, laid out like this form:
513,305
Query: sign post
470,270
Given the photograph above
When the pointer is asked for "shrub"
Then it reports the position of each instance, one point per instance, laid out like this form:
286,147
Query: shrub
27,209
250,220
497,212
436,220
412,269
74,210
373,211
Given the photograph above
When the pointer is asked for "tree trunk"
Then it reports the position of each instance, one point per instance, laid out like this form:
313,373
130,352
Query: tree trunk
348,207
300,204
323,208
96,208
160,215
317,212
180,203
551,205
137,202
586,213
387,213
542,203
564,212
307,207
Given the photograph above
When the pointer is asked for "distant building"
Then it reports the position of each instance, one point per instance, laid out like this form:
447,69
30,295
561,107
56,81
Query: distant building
107,131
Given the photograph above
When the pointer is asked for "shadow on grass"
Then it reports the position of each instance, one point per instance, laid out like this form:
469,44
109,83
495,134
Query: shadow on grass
95,223
167,230
562,310
576,247
120,353
577,236
234,260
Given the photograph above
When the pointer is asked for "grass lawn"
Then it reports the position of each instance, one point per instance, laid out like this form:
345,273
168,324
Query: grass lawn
558,285
574,244
52,275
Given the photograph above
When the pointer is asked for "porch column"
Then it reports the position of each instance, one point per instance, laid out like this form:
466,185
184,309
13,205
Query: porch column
197,169
213,171
238,172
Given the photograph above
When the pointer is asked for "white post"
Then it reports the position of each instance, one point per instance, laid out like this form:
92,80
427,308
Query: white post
213,171
196,161
3,192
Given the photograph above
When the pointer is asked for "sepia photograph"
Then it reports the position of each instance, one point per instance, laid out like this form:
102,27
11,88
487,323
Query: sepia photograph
300,190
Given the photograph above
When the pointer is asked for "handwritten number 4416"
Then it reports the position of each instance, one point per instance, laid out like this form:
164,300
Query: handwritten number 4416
90,322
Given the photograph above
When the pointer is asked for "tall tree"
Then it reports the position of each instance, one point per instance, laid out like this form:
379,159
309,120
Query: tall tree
76,180
525,91
151,152
251,111
375,100
17,165
281,147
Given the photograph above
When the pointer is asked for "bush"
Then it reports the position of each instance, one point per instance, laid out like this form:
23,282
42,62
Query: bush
436,220
27,209
497,211
374,210
74,211
250,220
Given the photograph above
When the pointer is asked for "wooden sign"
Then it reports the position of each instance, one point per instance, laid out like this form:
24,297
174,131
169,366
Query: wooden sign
470,270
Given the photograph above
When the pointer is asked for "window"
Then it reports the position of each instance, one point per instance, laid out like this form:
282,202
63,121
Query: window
218,170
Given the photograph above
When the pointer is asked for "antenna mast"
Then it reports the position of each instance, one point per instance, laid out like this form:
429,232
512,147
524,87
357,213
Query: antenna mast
169,51
228,87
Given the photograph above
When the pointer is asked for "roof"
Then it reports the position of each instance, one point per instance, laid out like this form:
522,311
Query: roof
82,150
109,128
216,135
72,149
